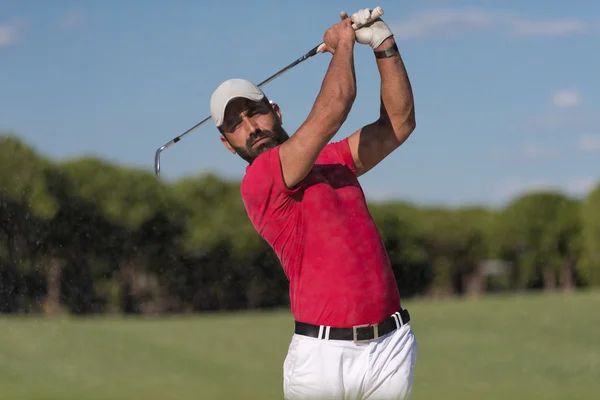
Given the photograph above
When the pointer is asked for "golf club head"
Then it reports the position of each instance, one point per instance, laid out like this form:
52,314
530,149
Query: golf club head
172,142
157,161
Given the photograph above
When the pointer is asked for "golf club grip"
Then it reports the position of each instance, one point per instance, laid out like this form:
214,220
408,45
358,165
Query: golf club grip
376,13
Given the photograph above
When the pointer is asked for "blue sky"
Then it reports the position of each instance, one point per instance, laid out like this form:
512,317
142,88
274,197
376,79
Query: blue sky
507,93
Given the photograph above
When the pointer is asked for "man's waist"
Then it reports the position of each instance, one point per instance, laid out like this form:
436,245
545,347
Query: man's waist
356,333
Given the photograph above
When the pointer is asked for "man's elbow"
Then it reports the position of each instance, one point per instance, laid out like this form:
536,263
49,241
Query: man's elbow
402,124
406,129
407,117
410,123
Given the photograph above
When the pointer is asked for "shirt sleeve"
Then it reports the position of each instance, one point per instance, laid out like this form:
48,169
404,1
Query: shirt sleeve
341,151
263,190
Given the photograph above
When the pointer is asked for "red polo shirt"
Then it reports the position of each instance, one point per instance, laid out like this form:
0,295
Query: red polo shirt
325,238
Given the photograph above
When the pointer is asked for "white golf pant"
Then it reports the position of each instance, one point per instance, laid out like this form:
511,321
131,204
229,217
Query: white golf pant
381,369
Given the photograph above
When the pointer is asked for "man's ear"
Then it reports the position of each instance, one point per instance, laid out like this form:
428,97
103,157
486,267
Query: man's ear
227,144
277,111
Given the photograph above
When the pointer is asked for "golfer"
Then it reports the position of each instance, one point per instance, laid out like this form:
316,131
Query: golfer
352,338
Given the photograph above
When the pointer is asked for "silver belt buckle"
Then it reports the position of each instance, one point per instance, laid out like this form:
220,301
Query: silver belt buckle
355,333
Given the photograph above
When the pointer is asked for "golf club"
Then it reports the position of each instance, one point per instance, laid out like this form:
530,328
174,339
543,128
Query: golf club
376,13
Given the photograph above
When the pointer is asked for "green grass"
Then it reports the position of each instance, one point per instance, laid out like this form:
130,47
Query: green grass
518,347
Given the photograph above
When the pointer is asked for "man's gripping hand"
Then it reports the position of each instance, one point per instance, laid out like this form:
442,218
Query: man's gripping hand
341,32
373,34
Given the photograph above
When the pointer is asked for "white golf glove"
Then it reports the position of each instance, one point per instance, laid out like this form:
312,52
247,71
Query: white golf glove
374,34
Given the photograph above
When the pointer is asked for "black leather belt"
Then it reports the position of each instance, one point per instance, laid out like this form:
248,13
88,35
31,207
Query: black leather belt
358,333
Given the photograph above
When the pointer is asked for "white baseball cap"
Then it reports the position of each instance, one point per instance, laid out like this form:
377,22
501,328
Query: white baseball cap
228,91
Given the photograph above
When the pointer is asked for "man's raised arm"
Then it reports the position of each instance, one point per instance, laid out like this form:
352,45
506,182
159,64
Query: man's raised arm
375,141
331,108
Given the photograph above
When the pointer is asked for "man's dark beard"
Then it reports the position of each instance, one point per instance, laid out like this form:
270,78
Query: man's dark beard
277,136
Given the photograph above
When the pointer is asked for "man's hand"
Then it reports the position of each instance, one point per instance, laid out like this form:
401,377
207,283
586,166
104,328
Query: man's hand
340,33
373,34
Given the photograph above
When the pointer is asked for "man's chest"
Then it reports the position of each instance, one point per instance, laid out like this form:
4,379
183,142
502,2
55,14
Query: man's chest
329,186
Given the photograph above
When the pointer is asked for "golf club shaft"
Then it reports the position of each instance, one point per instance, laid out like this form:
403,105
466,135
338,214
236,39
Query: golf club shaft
376,13
311,53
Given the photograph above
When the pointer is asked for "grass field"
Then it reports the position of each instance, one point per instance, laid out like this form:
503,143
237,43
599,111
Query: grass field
519,347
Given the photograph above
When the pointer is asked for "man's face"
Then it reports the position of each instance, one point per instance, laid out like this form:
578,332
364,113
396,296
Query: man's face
250,128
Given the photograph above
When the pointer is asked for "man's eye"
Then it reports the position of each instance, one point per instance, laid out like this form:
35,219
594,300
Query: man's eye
232,126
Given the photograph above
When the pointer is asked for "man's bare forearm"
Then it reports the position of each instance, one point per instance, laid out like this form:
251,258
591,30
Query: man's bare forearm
328,113
397,103
338,91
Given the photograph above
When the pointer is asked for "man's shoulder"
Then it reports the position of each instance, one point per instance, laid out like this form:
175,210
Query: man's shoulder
264,194
264,177
260,168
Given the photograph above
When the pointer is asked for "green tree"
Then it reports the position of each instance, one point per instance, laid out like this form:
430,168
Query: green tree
234,265
77,235
456,242
129,199
25,206
590,219
539,233
397,223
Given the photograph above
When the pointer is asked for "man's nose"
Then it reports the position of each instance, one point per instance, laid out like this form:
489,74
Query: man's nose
250,124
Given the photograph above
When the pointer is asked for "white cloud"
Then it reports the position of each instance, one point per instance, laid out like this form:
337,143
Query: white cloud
10,33
73,20
443,22
563,27
450,22
566,98
589,143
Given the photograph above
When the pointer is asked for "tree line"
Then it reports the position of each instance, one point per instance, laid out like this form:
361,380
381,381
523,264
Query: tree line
88,236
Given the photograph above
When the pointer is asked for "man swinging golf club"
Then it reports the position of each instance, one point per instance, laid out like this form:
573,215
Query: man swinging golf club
352,338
